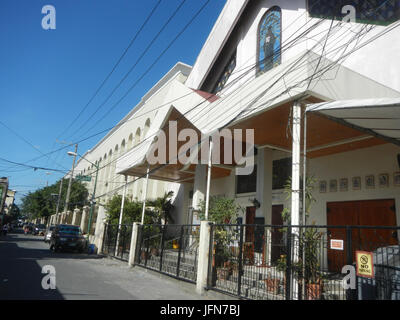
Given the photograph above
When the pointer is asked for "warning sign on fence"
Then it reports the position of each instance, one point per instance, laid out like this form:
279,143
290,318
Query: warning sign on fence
365,264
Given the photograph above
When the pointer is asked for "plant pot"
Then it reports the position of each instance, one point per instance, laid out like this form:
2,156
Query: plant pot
272,285
222,273
143,255
313,291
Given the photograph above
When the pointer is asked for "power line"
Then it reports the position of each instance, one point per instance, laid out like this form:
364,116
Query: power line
32,167
132,68
114,67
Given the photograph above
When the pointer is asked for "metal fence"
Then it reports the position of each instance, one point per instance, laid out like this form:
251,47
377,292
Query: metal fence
169,249
117,240
302,263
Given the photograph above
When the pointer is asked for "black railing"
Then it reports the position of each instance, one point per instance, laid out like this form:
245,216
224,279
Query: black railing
302,263
169,249
117,241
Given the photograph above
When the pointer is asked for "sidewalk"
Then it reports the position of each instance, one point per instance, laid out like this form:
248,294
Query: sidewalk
151,285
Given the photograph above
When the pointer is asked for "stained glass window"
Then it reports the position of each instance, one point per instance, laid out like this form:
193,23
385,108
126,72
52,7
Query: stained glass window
269,40
381,12
223,79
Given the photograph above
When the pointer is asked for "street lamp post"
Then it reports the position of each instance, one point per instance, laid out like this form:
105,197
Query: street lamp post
70,179
92,201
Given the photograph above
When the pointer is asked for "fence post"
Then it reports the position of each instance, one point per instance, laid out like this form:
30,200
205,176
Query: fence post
134,241
240,261
179,252
162,245
123,240
203,257
350,294
288,263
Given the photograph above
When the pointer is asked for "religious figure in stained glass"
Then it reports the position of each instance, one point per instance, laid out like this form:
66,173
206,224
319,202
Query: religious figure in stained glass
269,35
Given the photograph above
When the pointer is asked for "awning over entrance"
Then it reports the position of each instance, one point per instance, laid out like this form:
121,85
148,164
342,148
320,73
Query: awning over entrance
375,117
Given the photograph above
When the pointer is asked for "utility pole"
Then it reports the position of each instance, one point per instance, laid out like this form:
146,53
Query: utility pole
70,181
59,196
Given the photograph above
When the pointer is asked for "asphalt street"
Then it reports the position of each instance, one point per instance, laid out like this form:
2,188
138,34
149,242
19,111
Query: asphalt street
79,276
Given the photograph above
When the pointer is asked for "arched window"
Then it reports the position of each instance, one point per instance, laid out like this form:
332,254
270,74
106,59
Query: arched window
130,141
137,136
146,127
269,40
123,146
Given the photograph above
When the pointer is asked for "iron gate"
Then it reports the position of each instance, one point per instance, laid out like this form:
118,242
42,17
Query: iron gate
267,262
117,240
169,249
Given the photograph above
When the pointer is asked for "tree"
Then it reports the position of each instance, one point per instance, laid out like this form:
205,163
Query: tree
221,210
43,203
132,211
163,206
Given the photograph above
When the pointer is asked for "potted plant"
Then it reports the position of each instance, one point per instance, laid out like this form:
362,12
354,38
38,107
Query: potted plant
272,284
222,211
311,242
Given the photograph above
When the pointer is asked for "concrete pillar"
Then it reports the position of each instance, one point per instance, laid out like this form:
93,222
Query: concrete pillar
68,217
199,190
264,194
295,195
99,230
203,257
133,247
76,217
84,219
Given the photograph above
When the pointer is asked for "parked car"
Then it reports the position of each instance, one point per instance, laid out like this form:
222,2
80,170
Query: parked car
67,237
47,234
39,229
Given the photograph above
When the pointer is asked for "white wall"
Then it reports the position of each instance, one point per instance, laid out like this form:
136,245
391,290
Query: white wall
378,60
146,109
362,162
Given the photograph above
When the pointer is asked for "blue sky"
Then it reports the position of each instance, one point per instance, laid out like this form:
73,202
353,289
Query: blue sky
48,76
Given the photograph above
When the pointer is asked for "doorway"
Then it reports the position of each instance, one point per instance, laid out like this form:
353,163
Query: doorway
360,213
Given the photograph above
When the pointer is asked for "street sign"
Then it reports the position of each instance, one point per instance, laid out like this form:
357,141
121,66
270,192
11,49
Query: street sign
84,178
365,264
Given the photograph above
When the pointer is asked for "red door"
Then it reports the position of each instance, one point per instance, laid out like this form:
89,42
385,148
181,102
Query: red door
249,235
360,213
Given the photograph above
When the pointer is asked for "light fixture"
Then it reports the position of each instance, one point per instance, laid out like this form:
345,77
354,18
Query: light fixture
70,153
255,202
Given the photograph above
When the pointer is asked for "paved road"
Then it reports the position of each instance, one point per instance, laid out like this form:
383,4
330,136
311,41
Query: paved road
79,276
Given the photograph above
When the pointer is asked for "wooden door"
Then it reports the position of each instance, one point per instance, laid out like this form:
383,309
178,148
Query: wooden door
277,247
250,219
376,213
360,213
249,235
340,214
